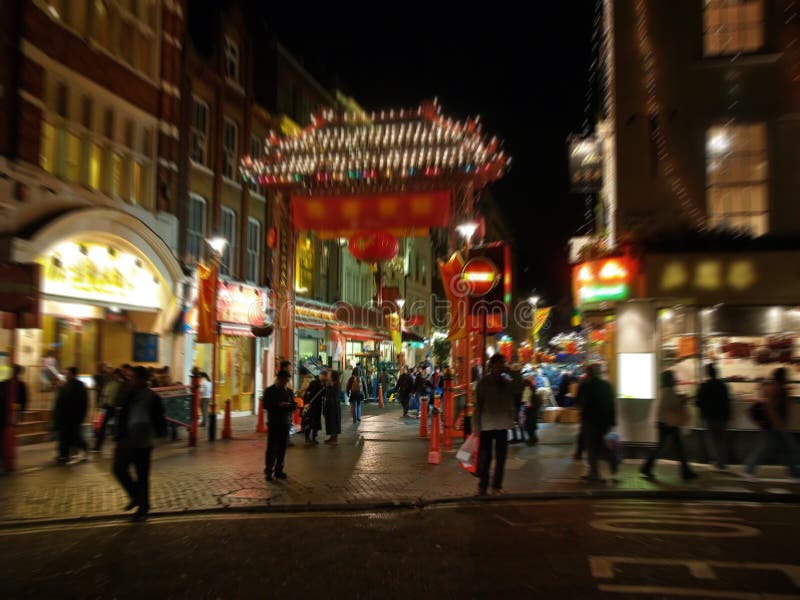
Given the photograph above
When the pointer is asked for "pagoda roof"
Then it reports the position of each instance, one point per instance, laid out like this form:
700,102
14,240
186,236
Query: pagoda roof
393,150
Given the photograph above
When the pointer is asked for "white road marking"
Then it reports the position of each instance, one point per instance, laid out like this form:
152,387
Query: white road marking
625,525
669,592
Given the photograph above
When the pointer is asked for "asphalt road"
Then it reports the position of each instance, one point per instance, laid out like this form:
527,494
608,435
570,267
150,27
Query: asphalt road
495,549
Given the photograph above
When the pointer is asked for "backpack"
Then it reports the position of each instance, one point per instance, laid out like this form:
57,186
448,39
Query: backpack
355,385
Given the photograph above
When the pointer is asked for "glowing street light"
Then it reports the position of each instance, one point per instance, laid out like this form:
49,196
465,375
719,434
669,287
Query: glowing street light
535,301
217,244
467,230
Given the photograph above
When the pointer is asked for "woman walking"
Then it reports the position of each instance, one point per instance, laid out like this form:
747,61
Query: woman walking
356,395
333,409
773,427
672,415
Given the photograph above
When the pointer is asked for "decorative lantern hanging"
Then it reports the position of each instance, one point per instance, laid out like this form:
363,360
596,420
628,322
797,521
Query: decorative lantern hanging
374,246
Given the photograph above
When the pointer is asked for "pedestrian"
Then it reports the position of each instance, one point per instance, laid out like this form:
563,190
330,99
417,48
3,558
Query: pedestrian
518,382
598,416
110,400
141,420
580,439
279,402
333,409
313,400
532,406
422,388
356,397
21,399
671,416
405,384
493,416
773,430
286,365
714,403
72,403
205,397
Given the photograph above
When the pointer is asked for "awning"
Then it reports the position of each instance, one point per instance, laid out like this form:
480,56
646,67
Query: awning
410,336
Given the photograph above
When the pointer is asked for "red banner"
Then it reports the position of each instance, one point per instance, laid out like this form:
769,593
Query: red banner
453,289
206,291
372,212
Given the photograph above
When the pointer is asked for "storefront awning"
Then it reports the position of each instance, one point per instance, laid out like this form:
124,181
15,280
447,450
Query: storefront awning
410,336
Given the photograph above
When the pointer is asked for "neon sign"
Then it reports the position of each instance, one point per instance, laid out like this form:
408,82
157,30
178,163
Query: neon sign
604,280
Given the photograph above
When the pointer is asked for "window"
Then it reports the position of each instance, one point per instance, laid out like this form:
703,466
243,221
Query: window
196,230
126,41
253,250
199,135
229,233
229,153
231,60
47,149
255,152
737,177
732,26
101,23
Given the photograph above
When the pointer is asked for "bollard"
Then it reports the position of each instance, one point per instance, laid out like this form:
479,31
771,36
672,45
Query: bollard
380,396
226,427
212,421
298,412
423,419
434,453
261,426
193,416
449,403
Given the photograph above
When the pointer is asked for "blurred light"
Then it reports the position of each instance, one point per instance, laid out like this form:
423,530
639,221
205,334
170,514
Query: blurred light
467,230
217,244
719,144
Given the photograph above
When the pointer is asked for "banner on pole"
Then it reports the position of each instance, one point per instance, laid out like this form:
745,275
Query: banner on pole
206,291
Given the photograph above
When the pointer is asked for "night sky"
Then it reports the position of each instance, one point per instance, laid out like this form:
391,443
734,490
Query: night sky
523,67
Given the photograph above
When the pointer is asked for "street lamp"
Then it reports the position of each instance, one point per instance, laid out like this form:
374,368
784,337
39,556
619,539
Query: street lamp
467,230
217,245
400,302
535,301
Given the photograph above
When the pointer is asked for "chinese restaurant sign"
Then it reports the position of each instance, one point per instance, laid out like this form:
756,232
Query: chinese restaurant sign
239,303
585,165
604,280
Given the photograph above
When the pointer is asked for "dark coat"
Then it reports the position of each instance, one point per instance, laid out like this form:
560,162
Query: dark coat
714,401
71,405
314,398
333,410
158,419
279,404
596,398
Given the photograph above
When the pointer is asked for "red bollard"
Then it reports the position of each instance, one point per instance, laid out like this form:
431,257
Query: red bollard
195,409
226,429
261,425
298,412
423,418
434,453
380,396
449,406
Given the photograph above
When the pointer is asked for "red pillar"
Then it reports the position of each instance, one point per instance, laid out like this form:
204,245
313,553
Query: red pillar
434,453
261,426
449,407
226,430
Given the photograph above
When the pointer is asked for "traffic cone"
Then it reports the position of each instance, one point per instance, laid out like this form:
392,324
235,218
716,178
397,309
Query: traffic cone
227,433
261,426
380,396
423,419
434,453
298,412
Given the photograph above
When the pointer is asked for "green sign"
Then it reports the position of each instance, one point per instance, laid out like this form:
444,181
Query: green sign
603,293
177,403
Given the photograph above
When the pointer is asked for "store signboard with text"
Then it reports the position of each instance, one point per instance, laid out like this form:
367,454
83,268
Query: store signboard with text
605,280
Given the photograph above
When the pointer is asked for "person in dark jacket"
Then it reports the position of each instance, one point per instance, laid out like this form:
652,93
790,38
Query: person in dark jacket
314,398
405,385
333,409
598,416
279,403
70,411
141,420
21,398
714,403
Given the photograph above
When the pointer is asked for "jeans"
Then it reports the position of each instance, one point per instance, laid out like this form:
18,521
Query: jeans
204,402
139,490
498,437
356,398
595,443
784,440
665,433
277,440
717,434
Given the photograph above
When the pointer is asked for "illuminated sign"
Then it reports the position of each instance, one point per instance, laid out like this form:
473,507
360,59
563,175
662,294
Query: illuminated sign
585,165
605,280
240,303
480,275
100,273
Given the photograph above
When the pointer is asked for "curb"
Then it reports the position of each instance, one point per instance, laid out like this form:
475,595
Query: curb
420,504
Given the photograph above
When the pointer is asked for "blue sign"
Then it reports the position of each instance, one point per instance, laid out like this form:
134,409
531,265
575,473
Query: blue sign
145,347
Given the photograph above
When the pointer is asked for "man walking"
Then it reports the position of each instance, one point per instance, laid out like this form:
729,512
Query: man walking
405,384
492,418
141,420
714,403
279,404
598,416
71,406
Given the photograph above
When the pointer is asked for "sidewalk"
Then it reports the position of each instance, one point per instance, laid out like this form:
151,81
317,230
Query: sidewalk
380,462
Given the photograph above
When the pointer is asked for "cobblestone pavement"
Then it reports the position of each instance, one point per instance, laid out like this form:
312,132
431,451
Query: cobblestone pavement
382,460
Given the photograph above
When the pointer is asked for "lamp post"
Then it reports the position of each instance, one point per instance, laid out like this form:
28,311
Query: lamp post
467,230
400,302
217,245
535,301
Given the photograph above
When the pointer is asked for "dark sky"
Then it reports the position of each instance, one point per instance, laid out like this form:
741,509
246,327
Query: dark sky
523,67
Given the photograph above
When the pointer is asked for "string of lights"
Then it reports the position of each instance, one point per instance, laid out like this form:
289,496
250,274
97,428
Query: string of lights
655,113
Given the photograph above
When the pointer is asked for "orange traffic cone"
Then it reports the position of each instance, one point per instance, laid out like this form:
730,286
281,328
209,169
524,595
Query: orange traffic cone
261,426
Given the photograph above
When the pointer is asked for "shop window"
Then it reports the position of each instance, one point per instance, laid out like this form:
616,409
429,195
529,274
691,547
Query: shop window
196,229
229,233
229,149
231,60
253,250
304,277
199,135
737,177
732,26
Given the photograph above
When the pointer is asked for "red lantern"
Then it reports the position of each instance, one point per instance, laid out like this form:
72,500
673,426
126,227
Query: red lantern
374,246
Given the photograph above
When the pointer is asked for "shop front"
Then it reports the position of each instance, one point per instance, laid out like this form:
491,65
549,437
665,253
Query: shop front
110,289
738,311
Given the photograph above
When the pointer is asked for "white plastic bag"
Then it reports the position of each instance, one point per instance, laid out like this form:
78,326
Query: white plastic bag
466,453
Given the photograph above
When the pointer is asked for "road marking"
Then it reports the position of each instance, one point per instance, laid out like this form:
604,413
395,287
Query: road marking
603,566
624,525
701,593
